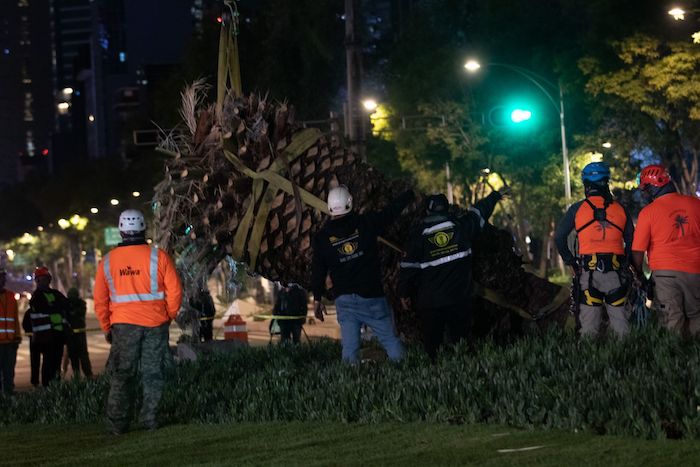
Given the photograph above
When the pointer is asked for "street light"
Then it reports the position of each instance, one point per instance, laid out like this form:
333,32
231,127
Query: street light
540,82
114,201
607,145
94,210
136,194
677,13
370,105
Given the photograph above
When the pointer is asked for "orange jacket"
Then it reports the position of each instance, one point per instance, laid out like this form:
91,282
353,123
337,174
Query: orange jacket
9,318
136,284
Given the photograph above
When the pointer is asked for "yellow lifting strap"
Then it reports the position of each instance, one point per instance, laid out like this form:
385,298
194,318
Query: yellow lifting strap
229,67
300,143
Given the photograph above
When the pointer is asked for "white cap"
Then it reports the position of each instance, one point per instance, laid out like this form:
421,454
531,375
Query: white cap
339,201
131,221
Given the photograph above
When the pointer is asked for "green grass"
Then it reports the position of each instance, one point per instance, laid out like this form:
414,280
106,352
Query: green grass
333,444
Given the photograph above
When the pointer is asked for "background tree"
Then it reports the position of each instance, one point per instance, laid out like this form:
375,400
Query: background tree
650,99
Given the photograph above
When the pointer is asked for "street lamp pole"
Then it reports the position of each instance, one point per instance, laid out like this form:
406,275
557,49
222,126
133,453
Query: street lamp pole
537,80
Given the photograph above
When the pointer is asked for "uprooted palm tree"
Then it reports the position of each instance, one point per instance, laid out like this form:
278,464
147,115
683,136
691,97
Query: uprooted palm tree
248,181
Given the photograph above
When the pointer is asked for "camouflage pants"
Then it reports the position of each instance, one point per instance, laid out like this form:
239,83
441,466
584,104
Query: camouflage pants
133,348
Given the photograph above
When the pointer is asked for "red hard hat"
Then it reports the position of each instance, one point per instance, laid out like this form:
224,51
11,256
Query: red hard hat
654,175
41,271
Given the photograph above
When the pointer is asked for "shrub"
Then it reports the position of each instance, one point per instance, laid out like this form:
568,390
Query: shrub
646,385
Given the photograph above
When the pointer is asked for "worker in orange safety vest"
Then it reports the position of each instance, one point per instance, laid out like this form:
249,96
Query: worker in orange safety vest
137,293
10,336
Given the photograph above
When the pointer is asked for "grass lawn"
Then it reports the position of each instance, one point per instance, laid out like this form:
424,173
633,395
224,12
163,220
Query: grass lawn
333,444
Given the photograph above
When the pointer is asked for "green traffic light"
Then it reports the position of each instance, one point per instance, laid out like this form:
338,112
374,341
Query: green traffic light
520,115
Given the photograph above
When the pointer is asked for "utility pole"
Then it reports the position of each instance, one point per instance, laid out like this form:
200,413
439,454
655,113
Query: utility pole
354,76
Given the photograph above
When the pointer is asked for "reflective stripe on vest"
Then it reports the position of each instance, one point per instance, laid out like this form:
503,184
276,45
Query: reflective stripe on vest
440,226
137,297
7,319
7,331
42,327
437,262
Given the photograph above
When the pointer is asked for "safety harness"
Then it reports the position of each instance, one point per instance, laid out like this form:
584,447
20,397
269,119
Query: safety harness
599,215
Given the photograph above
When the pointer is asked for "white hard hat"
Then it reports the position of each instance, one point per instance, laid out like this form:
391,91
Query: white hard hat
339,201
131,221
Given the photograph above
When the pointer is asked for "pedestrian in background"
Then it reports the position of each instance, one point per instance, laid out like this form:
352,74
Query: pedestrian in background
77,340
10,336
137,293
46,320
204,304
291,303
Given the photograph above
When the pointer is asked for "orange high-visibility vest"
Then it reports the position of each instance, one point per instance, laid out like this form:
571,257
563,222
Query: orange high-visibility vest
9,318
136,284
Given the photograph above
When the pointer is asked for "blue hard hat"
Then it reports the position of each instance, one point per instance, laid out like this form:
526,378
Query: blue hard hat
596,172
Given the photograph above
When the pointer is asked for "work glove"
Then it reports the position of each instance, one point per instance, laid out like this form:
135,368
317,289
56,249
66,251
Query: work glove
319,311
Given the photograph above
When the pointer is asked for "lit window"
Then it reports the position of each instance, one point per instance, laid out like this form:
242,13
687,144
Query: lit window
122,57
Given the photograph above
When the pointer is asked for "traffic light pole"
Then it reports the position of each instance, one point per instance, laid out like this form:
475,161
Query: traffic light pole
535,79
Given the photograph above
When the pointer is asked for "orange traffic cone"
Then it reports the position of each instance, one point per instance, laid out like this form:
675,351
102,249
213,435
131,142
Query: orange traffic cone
235,329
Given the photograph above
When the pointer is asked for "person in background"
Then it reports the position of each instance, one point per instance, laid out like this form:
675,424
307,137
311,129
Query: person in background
668,230
10,336
46,320
204,303
77,340
291,302
137,294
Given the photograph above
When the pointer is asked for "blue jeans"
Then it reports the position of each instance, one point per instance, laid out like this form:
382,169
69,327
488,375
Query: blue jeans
353,312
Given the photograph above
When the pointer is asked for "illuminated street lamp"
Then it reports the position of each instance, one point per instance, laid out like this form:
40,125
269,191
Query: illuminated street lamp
114,201
607,145
472,66
63,223
94,210
677,13
370,105
135,194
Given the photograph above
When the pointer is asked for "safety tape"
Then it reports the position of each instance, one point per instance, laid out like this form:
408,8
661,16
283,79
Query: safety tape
76,331
278,317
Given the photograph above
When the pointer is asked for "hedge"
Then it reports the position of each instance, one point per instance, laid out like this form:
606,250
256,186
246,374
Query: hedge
647,385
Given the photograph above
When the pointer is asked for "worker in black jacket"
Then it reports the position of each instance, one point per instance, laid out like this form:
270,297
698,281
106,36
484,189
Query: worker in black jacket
346,247
436,273
291,307
46,320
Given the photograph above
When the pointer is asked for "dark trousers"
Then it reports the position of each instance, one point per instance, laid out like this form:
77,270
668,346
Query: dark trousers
8,358
35,361
51,353
290,329
206,330
78,354
434,321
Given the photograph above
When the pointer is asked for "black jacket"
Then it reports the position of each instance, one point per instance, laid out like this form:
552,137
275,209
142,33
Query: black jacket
292,302
347,248
46,316
437,268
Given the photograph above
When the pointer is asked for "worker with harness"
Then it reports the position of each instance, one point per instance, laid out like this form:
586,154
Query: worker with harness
604,232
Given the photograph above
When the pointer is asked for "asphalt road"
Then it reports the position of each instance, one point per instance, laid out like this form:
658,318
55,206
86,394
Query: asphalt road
98,348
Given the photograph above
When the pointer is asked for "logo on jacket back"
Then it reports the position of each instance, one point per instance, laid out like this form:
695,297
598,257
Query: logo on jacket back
441,239
129,272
